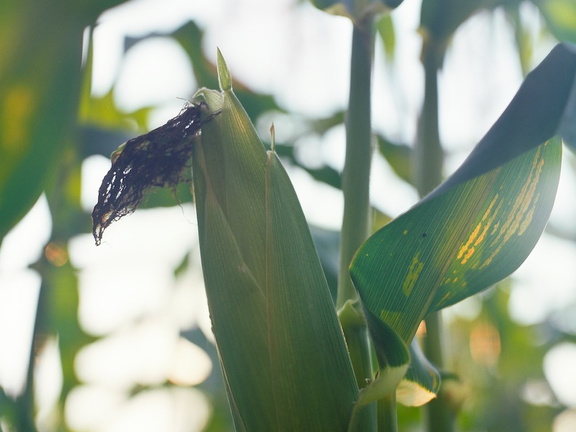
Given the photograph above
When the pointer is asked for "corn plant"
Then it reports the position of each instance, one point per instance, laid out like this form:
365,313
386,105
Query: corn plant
281,347
293,359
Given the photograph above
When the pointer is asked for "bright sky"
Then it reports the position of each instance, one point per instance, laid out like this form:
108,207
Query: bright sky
303,60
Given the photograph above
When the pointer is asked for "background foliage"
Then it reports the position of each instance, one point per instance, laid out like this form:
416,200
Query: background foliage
51,123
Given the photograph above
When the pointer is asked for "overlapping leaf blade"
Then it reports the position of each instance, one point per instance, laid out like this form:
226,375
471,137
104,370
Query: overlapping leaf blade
422,379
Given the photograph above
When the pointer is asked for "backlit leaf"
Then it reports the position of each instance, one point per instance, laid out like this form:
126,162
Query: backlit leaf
482,223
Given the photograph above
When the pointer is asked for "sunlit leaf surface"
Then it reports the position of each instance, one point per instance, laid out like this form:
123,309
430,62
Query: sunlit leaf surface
481,224
458,243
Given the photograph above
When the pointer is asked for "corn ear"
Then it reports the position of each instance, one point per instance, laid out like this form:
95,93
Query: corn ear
281,348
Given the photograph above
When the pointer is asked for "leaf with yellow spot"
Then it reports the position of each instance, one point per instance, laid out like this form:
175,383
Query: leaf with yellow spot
476,234
481,223
413,274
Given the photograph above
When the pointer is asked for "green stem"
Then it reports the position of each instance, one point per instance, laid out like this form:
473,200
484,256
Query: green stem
428,164
356,175
355,186
25,411
428,153
438,414
387,418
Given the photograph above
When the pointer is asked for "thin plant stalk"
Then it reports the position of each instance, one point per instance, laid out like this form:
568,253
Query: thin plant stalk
428,165
387,418
438,415
25,402
355,186
428,153
356,176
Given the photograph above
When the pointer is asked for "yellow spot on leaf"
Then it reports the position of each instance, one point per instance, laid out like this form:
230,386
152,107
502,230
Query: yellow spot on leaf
489,209
413,274
521,211
464,249
16,113
469,253
479,233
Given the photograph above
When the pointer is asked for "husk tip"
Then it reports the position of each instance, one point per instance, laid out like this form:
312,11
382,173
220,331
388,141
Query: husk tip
224,79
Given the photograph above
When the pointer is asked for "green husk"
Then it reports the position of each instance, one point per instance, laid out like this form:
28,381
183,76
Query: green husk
281,348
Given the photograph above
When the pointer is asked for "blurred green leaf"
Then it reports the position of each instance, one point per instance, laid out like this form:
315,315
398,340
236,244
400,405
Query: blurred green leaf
327,243
398,156
41,51
491,345
102,111
7,409
271,309
560,15
60,286
57,315
325,174
524,43
385,29
322,125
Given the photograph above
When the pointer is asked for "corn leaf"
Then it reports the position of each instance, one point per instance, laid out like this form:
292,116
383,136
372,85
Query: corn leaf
422,380
482,223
